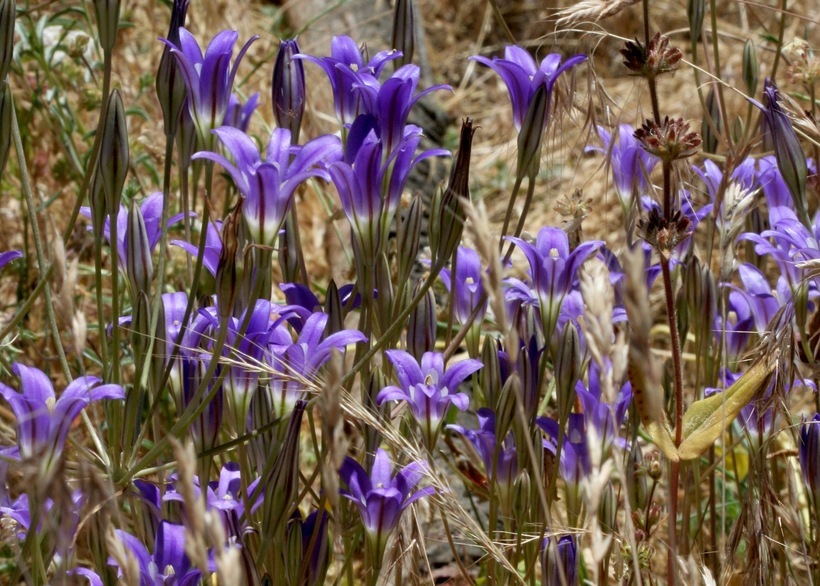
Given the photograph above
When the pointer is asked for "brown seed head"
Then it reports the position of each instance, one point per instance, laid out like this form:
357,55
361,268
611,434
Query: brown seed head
652,60
670,140
665,234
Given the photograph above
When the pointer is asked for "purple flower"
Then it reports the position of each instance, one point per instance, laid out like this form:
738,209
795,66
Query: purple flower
809,455
345,62
315,544
791,160
43,421
151,212
427,388
522,76
295,364
288,88
370,184
558,561
7,257
553,269
631,165
390,102
468,288
268,186
239,116
575,464
381,497
213,247
606,418
486,444
168,565
209,77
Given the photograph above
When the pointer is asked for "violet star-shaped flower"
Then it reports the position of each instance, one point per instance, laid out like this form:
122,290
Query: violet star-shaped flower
522,75
553,269
427,388
209,77
151,211
7,257
238,115
629,162
213,247
295,364
268,185
809,454
467,288
43,420
575,464
345,61
381,497
169,563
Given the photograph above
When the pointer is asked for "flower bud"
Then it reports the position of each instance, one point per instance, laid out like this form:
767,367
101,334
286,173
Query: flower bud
567,367
404,31
636,486
409,238
288,89
531,135
334,310
523,498
710,138
140,323
491,376
421,326
114,155
701,299
288,251
608,509
226,274
750,69
6,112
170,83
558,561
187,137
7,16
384,286
451,214
809,456
791,160
696,9
293,548
315,546
108,19
138,264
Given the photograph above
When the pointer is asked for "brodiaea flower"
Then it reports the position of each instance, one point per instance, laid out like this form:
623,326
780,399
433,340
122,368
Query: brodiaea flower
553,269
521,74
268,186
208,77
169,563
427,388
630,164
7,257
381,498
43,420
809,453
467,288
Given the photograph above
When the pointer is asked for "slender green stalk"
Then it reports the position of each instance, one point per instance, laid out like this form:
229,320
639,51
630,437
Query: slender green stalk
25,181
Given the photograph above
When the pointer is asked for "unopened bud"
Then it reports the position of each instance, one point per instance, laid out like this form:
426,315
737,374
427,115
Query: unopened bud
491,376
288,89
750,68
531,135
114,154
6,113
293,548
696,10
384,286
7,15
523,498
333,309
108,19
409,238
226,274
421,326
404,31
452,215
170,83
710,137
567,367
608,509
138,263
636,480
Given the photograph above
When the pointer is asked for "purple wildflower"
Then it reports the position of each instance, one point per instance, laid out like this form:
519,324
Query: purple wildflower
209,77
558,561
43,421
522,76
575,464
7,257
809,455
288,88
553,269
467,288
427,388
346,60
381,497
168,560
239,116
295,364
631,165
268,186
213,247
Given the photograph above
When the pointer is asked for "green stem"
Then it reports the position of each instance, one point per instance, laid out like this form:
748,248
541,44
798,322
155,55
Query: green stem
25,181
